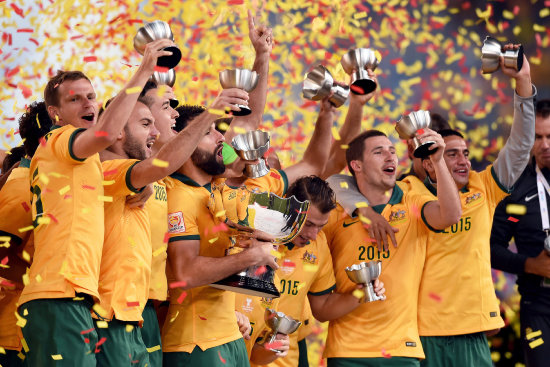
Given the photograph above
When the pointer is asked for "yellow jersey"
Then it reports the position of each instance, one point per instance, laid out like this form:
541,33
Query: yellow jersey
202,316
275,182
379,328
67,211
457,295
126,258
157,207
15,214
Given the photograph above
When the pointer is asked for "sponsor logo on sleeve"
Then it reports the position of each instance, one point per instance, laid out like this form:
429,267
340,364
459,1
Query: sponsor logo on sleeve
176,223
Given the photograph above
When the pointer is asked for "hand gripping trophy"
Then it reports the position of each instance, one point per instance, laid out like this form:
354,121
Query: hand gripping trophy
264,216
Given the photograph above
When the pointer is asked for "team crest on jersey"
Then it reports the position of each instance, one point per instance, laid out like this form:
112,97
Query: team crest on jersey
309,258
288,266
176,223
266,302
473,198
397,216
247,305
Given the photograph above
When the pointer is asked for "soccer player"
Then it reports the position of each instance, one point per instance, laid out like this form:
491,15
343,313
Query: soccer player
531,262
379,329
17,242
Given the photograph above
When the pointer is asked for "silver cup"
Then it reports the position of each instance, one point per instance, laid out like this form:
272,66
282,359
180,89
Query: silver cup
360,60
491,52
154,31
278,322
319,84
267,217
408,125
252,145
168,78
239,78
366,273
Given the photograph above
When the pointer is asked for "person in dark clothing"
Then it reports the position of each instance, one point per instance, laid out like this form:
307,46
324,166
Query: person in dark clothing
519,216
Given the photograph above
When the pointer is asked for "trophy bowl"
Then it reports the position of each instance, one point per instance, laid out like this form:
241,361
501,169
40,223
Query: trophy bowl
491,52
365,273
239,78
355,63
250,146
278,322
267,217
154,31
319,83
167,78
408,125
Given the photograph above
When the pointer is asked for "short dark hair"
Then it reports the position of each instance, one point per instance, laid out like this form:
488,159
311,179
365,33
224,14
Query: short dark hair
186,114
34,124
438,122
542,108
14,156
450,132
148,86
51,95
356,147
143,99
314,189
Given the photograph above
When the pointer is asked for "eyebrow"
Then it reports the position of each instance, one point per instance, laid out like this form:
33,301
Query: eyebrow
382,147
457,150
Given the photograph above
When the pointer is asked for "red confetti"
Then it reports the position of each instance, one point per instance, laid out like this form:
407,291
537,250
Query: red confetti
27,92
34,41
12,72
132,21
183,283
435,297
4,261
25,206
385,354
101,341
513,220
161,69
420,131
182,297
90,58
4,282
109,173
222,227
25,30
88,187
101,133
235,2
221,358
87,331
357,89
202,318
132,304
276,344
166,237
52,217
17,10
260,270
275,175
86,340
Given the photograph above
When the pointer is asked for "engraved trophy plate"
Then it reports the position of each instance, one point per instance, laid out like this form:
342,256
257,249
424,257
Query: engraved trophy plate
239,78
408,125
365,273
154,31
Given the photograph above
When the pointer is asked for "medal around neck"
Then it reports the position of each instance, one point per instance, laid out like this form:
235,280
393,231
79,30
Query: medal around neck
278,322
154,31
407,127
264,216
250,146
355,63
491,52
239,78
319,84
366,273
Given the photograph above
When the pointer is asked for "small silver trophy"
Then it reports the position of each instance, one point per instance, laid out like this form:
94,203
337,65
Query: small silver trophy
360,60
365,273
278,322
319,84
264,216
491,52
250,146
242,79
154,31
408,125
166,78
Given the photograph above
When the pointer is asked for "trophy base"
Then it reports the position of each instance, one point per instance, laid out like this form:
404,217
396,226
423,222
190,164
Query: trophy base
171,61
514,58
423,151
246,285
243,112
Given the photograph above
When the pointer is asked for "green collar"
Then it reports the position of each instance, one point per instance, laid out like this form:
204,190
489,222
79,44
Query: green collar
25,162
188,181
396,197
432,188
55,127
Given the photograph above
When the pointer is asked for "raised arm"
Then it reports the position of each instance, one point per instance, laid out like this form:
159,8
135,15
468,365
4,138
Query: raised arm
514,156
447,209
348,131
316,154
111,122
261,38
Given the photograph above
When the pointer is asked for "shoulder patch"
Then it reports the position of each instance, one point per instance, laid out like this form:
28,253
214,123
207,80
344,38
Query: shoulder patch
176,224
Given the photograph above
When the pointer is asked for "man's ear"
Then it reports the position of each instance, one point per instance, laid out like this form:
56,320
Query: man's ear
355,165
428,166
53,113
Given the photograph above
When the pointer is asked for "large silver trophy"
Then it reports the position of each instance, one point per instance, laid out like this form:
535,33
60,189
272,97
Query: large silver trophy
355,63
491,52
319,84
366,273
264,216
242,79
250,146
407,127
154,31
278,322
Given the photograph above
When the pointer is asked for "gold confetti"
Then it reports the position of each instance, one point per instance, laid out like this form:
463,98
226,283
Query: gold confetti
129,328
133,90
536,343
64,190
102,324
24,344
533,334
212,240
358,293
516,209
108,199
153,349
344,185
25,255
361,204
108,183
159,251
174,318
160,163
57,357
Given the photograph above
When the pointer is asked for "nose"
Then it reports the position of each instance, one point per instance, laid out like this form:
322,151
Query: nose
153,131
545,143
219,137
175,114
462,159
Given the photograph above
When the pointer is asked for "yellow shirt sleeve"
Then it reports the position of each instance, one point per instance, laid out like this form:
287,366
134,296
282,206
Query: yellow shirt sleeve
324,282
275,181
15,207
182,224
117,177
494,189
62,140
